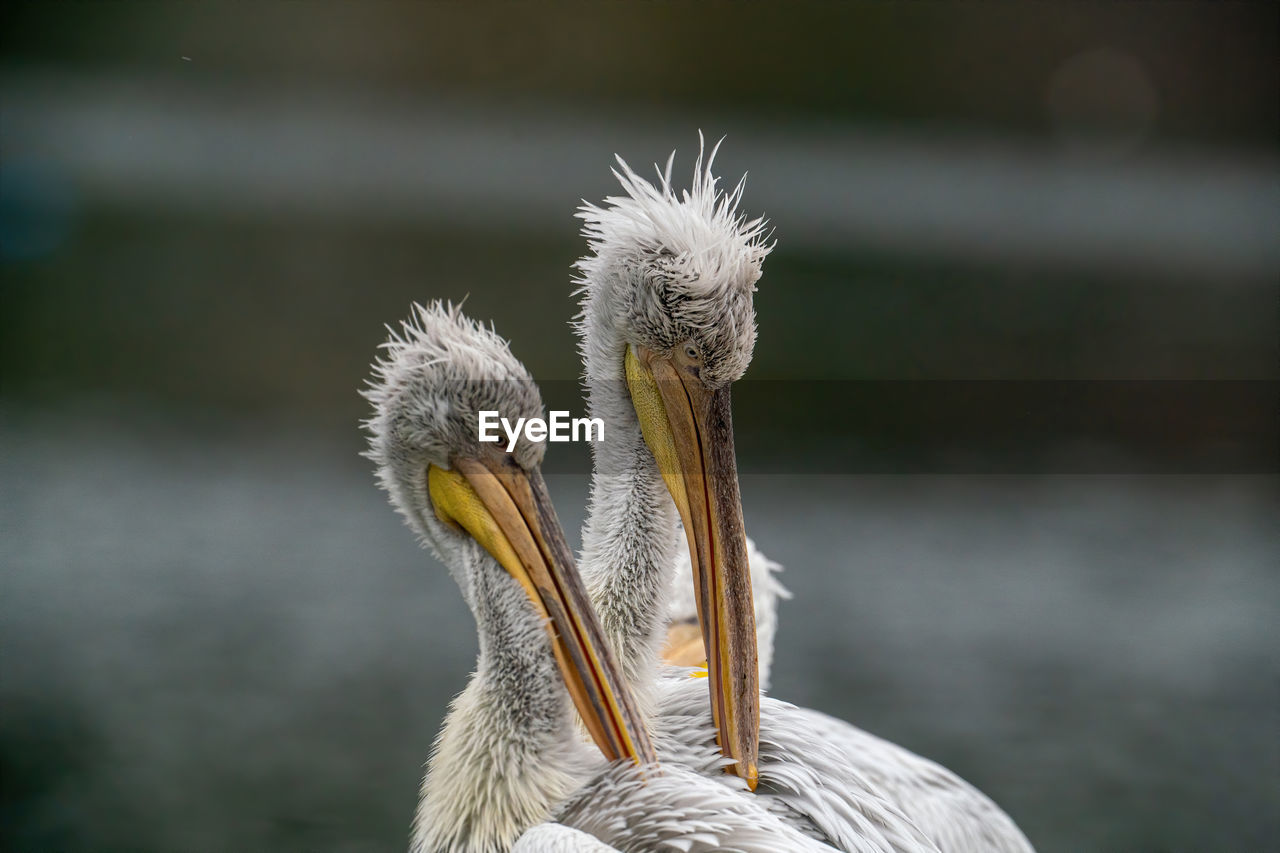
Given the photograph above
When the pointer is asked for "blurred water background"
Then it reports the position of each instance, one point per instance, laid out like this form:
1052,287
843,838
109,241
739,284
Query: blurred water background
1011,424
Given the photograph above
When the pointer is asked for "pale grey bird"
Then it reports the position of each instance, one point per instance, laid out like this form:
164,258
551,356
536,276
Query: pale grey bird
666,305
509,759
683,644
667,325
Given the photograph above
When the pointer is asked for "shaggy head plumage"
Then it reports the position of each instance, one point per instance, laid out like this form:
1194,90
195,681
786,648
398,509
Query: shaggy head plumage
435,374
671,269
507,753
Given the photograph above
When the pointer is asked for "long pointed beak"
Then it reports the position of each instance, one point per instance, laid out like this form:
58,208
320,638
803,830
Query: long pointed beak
507,509
689,429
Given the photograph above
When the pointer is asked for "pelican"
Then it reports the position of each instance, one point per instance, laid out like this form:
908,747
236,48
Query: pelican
666,326
510,770
683,643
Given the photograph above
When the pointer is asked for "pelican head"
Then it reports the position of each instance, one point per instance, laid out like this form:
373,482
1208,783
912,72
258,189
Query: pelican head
667,309
487,516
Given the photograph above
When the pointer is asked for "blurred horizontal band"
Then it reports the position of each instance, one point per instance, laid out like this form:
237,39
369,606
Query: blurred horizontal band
819,427
979,427
239,149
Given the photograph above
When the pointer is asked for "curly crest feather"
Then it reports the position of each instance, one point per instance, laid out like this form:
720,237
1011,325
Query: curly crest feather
698,228
667,268
435,373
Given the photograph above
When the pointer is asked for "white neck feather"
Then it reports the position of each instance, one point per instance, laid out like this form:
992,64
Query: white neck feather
628,541
508,753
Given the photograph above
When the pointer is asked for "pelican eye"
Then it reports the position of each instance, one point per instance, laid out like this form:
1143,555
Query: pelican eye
691,352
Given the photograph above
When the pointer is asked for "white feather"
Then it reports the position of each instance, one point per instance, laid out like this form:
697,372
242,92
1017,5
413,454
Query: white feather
672,809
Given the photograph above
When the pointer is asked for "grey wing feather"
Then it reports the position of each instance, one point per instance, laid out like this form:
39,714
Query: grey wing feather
803,780
956,815
669,809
